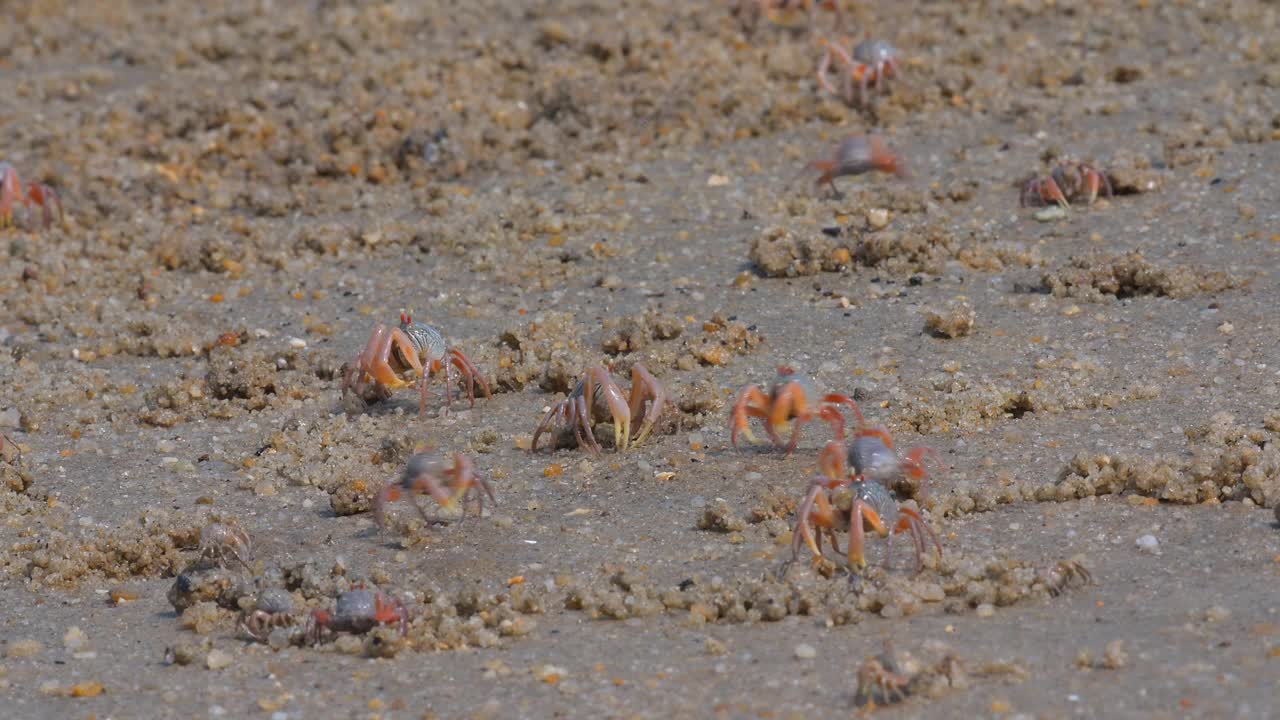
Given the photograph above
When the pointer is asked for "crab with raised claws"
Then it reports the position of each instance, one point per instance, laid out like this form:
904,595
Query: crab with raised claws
857,155
1070,180
358,611
395,357
790,398
448,485
840,501
37,195
597,398
869,65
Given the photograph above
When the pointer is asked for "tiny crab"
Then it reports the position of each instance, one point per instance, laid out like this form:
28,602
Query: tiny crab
839,501
273,609
881,681
1069,180
427,474
395,357
37,195
220,541
856,155
597,398
1061,576
358,611
783,12
869,65
790,398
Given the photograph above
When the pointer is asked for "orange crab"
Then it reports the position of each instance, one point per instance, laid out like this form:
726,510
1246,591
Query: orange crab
868,65
395,356
857,155
426,474
1069,180
37,195
598,397
791,397
839,500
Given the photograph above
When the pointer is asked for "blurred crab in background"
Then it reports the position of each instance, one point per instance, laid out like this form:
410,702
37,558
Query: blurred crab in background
857,155
789,398
868,65
597,398
395,357
1070,180
358,611
448,485
37,195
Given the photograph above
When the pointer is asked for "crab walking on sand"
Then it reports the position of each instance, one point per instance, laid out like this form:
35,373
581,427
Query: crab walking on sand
448,485
597,398
857,155
395,357
790,398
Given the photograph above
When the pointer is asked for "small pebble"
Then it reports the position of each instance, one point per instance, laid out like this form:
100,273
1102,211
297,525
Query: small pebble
297,343
74,639
805,651
1148,543
1051,213
23,648
985,610
218,659
1216,614
1114,657
877,218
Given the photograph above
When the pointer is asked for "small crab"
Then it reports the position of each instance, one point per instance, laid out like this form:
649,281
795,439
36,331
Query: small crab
37,195
1069,180
856,155
873,457
220,541
597,398
838,500
427,474
791,397
783,12
1059,577
881,681
396,356
273,609
358,611
869,65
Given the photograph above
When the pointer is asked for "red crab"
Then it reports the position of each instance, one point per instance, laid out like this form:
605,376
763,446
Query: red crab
37,195
395,357
597,397
1069,180
427,474
839,500
790,397
358,611
856,155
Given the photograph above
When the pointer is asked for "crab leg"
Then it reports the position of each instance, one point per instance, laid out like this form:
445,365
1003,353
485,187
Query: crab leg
646,386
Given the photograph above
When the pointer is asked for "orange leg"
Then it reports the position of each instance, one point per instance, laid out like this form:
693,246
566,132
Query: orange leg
751,403
858,513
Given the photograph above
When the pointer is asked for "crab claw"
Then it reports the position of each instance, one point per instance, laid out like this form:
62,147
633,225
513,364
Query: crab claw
644,386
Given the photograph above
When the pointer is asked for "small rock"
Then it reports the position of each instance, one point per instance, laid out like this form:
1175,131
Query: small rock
985,610
1051,213
877,218
218,659
714,647
24,648
75,639
805,651
1216,614
1148,543
1114,657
